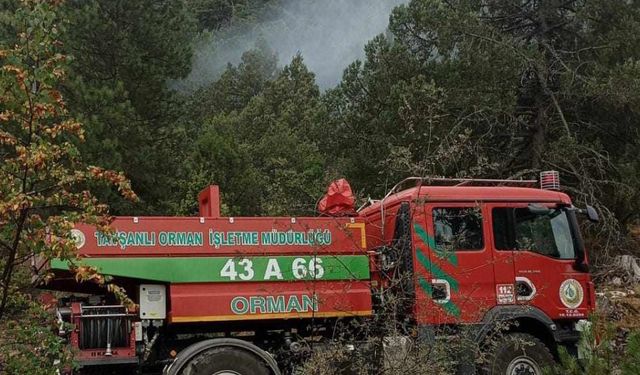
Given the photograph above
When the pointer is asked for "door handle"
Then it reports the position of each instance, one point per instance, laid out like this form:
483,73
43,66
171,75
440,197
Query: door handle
525,290
441,291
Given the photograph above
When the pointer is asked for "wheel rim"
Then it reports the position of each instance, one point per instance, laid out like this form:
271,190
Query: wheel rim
226,372
523,366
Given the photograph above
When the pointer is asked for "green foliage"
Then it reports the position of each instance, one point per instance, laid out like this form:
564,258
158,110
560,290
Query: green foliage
237,84
262,154
29,344
125,53
631,359
43,183
599,355
220,14
424,99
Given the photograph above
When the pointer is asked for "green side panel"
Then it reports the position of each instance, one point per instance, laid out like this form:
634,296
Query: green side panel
228,269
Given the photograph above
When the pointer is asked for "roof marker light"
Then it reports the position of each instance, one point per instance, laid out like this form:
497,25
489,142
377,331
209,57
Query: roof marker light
550,180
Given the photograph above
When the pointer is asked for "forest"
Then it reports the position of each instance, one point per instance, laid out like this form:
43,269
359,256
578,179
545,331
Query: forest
175,95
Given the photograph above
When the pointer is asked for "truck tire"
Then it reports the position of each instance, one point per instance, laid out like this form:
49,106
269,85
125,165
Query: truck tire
518,354
226,361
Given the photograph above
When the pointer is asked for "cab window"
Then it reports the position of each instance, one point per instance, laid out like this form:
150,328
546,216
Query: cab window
520,229
458,228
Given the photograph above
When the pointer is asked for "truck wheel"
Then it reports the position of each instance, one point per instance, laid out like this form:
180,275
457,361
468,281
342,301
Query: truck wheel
518,354
225,361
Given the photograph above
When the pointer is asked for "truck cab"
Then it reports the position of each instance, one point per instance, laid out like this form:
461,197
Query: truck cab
486,252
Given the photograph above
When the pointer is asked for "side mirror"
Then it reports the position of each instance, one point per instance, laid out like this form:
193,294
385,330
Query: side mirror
538,209
592,214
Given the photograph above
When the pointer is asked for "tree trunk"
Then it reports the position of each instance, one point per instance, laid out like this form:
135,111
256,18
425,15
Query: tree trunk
538,133
7,273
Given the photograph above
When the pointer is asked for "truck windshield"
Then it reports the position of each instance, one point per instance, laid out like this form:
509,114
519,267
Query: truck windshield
520,229
545,234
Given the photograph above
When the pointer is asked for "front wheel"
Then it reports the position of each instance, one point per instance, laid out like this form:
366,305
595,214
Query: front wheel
226,361
518,354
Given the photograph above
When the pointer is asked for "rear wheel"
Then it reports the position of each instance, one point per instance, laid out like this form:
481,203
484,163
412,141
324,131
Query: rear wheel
226,361
518,354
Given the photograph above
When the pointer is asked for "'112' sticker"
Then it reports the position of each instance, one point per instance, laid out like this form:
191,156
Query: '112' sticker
505,294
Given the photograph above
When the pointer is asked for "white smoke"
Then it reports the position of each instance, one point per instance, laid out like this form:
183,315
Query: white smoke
330,34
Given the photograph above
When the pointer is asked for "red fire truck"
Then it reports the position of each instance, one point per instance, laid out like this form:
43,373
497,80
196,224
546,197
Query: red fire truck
234,295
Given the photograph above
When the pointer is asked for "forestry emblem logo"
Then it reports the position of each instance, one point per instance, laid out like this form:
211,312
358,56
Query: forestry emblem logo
78,238
571,293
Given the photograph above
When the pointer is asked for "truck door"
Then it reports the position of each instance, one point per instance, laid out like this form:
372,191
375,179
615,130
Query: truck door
543,242
503,255
461,267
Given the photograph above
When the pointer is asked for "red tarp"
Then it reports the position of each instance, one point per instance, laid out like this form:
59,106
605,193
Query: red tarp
339,200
